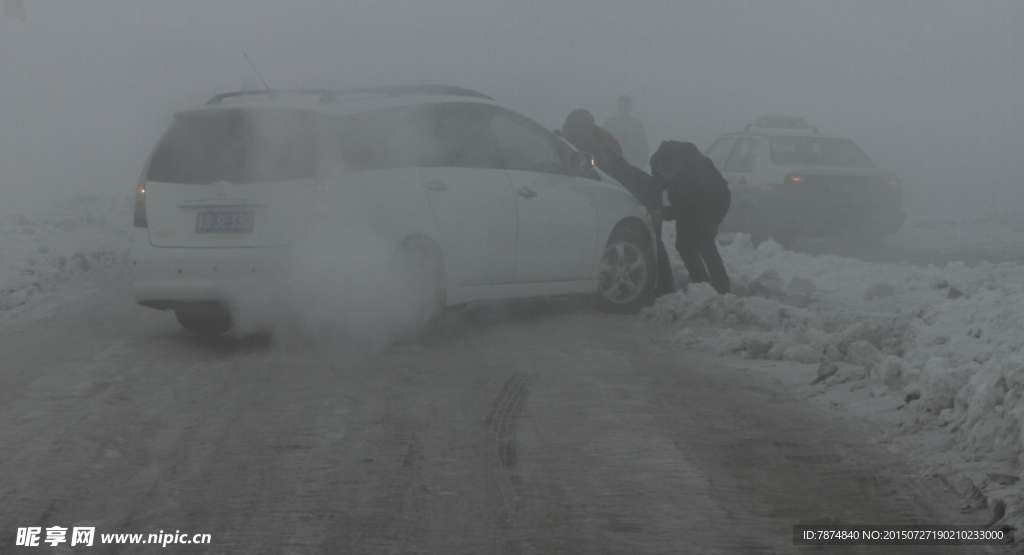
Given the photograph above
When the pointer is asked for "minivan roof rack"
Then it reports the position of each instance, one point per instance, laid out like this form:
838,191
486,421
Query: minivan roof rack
331,95
781,122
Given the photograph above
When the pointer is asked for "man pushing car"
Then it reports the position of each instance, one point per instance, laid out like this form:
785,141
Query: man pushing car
699,199
581,131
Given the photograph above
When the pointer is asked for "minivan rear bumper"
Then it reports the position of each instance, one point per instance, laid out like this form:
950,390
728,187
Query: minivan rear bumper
166,276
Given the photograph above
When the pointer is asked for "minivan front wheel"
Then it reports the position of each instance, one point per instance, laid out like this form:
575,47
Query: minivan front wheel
627,274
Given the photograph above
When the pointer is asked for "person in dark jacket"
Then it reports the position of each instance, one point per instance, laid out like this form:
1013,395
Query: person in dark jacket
699,198
583,133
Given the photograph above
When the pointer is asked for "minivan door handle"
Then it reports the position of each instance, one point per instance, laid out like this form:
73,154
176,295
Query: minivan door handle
527,192
436,185
741,181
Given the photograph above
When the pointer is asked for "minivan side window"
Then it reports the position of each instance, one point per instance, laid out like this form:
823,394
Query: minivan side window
446,135
463,137
719,150
524,145
741,157
381,139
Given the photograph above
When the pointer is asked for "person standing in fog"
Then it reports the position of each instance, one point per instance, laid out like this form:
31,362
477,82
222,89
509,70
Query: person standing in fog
699,199
629,132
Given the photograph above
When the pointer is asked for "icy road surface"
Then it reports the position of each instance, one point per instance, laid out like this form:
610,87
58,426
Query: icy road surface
531,427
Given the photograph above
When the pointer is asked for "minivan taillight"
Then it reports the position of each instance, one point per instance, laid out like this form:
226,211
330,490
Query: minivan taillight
140,204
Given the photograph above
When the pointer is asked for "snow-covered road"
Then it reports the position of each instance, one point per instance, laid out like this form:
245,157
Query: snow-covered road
527,427
532,427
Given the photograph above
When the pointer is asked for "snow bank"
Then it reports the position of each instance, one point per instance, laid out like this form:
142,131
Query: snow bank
947,341
83,240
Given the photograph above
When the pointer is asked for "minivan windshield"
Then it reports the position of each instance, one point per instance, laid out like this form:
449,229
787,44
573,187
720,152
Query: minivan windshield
239,146
817,151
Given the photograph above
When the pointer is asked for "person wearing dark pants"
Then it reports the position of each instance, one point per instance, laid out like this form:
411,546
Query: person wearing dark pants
666,283
699,199
695,242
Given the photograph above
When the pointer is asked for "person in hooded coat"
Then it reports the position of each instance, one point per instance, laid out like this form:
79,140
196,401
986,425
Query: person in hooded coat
699,199
583,133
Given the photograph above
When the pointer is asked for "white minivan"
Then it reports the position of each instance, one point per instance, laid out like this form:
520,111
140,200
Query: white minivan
472,200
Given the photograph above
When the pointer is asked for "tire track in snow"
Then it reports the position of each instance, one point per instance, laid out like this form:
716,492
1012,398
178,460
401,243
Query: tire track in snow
502,424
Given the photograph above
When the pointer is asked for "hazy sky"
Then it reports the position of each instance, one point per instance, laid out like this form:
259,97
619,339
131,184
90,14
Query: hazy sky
932,90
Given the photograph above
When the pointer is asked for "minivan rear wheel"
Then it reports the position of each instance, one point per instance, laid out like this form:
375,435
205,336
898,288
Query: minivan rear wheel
421,271
204,318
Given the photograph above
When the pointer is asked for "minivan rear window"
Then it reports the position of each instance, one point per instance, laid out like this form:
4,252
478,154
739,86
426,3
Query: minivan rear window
239,146
817,151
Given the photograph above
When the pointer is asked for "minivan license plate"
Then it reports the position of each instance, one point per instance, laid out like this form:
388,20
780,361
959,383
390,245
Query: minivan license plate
224,221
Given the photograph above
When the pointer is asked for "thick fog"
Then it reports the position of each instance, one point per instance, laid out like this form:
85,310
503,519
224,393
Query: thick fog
931,90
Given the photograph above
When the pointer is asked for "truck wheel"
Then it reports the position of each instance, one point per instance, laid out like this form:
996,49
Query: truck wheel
748,221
